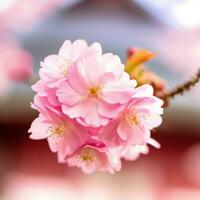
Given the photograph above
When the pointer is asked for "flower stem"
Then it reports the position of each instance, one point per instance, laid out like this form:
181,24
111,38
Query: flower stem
180,89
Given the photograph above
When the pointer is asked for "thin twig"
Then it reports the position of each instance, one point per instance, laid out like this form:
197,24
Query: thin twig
182,88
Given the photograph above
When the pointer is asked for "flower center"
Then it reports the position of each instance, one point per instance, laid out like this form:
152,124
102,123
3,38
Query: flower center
63,67
87,155
86,158
94,91
58,130
132,119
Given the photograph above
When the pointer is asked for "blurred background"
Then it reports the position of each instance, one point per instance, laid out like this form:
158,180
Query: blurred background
31,30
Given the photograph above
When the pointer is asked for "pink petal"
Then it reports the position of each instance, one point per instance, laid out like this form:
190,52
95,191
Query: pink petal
90,69
124,130
109,110
140,135
154,143
79,48
141,101
71,142
52,98
90,168
52,66
93,118
39,129
67,95
96,48
114,97
106,77
133,135
54,143
112,63
79,110
119,91
130,153
114,157
108,134
152,121
77,79
65,50
143,91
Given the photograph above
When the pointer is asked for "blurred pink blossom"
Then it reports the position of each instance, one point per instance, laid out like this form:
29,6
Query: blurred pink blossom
191,164
18,15
181,50
23,14
15,63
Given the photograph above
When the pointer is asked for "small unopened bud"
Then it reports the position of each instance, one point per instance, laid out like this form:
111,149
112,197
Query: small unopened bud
137,57
136,69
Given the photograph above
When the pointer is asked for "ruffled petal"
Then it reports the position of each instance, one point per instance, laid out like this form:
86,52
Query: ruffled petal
119,91
67,95
55,66
124,130
93,118
71,142
79,48
109,110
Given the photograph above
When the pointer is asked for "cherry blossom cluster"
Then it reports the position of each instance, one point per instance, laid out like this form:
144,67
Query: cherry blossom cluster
90,111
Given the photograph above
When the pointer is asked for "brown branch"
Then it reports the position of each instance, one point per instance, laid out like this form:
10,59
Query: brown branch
181,88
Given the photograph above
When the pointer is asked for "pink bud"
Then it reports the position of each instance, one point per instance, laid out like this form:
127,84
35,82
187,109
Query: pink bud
131,51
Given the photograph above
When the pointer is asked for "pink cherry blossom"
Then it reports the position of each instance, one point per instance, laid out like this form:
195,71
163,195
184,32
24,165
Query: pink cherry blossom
141,115
132,152
46,89
128,152
56,66
22,14
91,159
96,89
63,134
134,124
90,111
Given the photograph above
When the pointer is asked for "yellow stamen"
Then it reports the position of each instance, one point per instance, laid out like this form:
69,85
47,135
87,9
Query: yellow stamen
87,155
58,130
132,119
94,91
86,158
63,67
